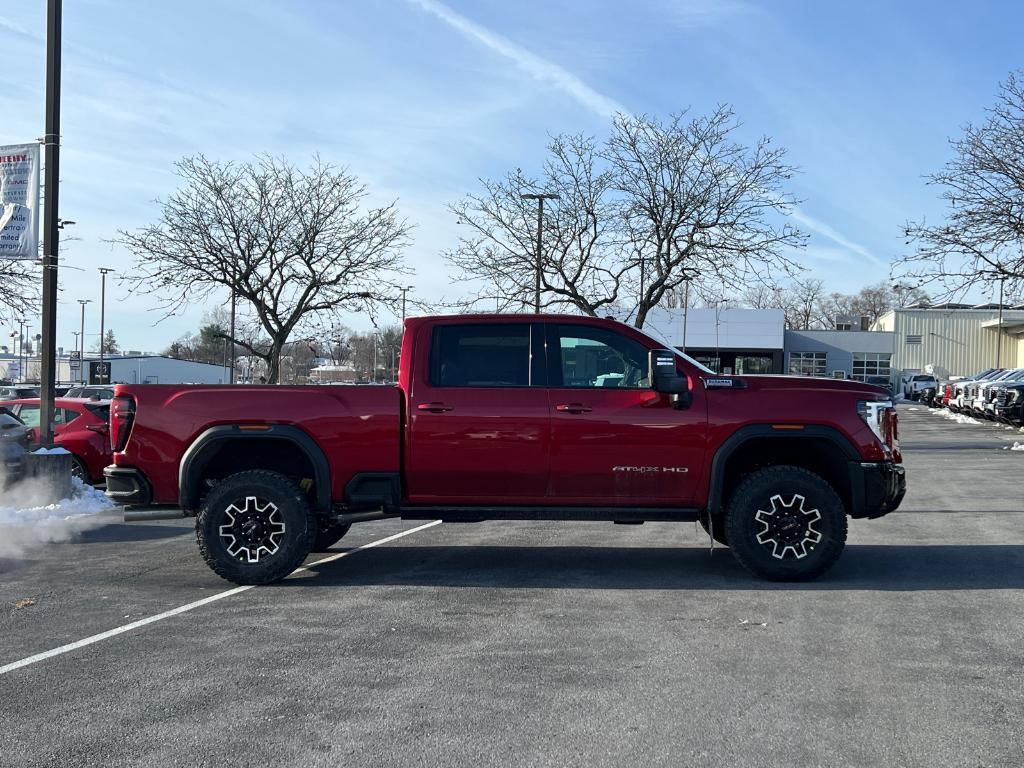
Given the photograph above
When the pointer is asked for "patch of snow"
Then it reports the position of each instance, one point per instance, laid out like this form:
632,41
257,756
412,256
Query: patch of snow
1015,447
28,525
960,418
913,409
50,451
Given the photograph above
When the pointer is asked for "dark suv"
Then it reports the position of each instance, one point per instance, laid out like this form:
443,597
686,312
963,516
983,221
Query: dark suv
1009,404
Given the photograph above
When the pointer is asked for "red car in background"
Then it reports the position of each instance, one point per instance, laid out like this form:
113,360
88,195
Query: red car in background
80,426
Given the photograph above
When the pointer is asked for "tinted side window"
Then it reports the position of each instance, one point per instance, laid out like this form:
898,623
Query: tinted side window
591,357
486,355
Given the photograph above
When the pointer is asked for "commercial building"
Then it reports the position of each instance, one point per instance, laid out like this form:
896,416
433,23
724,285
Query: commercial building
118,369
726,340
843,354
954,339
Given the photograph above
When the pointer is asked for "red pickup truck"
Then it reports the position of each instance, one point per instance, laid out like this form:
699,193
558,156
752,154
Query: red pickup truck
514,417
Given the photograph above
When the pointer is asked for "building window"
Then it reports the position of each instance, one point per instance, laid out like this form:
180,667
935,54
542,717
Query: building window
844,326
807,363
871,364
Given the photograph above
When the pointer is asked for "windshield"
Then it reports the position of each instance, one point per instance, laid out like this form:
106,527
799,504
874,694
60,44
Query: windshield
655,335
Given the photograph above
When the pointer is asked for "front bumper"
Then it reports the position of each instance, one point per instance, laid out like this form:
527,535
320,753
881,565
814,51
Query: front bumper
877,487
127,486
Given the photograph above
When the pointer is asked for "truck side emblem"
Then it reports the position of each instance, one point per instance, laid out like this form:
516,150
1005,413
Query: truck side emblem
651,470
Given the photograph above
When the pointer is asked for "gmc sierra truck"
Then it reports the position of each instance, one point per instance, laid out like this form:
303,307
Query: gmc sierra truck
513,417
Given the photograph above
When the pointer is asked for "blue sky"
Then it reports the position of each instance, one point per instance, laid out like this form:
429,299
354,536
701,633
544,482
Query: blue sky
421,98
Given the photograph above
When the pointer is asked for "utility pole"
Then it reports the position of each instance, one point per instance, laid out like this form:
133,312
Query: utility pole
404,291
234,283
104,271
540,198
999,329
686,303
51,141
81,351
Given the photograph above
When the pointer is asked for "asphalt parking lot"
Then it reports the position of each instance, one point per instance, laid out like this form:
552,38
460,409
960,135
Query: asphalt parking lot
542,644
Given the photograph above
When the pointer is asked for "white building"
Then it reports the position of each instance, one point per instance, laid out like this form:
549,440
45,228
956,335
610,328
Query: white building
123,369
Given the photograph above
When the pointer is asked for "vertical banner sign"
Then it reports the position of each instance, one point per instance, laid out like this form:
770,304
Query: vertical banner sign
19,201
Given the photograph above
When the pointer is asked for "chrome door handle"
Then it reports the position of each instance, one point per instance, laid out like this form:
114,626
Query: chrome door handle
573,408
434,407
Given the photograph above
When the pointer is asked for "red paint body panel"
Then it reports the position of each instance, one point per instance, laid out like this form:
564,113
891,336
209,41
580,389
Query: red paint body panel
494,446
356,426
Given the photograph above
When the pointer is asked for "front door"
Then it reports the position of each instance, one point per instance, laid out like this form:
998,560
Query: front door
614,440
478,425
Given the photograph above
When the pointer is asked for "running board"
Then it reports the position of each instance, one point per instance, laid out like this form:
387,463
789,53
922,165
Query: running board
596,514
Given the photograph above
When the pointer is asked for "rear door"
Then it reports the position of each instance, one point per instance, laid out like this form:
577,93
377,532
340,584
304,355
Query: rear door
478,428
615,441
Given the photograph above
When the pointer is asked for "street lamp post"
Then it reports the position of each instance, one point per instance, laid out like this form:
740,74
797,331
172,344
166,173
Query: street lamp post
999,328
686,303
540,198
104,271
81,351
404,291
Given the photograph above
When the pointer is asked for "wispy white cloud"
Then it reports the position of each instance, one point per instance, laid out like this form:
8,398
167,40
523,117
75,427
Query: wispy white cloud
826,231
537,67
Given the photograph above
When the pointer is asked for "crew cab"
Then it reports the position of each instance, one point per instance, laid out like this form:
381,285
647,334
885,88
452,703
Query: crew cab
513,417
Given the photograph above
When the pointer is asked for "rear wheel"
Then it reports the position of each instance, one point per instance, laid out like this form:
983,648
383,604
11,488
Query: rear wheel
786,524
255,527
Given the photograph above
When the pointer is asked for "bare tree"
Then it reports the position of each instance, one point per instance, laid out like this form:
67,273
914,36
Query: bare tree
981,242
653,205
694,201
293,246
578,262
19,289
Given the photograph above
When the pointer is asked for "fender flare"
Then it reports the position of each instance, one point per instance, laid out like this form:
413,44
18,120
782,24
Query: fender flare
750,432
203,448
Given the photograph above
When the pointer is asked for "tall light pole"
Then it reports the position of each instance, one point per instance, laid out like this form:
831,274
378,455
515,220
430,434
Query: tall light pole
540,198
22,365
404,291
81,351
51,140
686,303
999,328
104,271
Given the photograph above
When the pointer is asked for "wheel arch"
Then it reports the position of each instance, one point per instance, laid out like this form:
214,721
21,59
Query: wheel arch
817,448
270,447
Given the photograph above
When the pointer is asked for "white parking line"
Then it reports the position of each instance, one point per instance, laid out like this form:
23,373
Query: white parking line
190,606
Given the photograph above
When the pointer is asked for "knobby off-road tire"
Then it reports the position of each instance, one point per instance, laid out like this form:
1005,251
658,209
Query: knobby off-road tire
786,524
716,531
329,534
255,527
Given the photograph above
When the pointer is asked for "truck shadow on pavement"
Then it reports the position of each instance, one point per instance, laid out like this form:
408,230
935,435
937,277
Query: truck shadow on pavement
118,532
863,566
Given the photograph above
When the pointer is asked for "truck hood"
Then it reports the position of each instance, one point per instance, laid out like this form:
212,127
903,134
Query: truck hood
803,384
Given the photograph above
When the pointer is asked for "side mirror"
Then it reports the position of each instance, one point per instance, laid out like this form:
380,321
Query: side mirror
666,379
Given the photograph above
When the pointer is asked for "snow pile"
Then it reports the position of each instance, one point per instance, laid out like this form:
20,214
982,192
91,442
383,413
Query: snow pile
959,418
1015,447
26,523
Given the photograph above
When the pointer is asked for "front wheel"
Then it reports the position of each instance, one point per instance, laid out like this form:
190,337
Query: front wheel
786,524
255,527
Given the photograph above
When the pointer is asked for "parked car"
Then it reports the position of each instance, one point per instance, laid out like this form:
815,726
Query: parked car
17,392
881,381
79,426
481,428
93,391
14,442
961,394
1009,404
979,393
913,387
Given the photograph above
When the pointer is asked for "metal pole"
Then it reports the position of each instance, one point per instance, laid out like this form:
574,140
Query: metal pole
51,140
103,312
999,329
536,276
81,353
233,283
686,310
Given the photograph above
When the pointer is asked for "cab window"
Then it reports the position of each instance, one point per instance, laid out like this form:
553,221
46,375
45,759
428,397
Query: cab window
591,357
484,355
